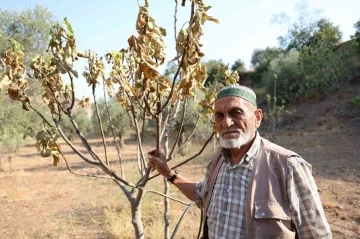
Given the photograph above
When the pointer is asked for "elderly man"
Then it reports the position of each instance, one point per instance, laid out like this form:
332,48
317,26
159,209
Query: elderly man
253,188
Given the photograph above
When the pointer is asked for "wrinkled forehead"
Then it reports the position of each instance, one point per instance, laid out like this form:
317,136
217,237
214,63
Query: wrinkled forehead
230,102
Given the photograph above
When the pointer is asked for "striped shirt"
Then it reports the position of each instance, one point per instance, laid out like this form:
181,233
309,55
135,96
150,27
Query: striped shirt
226,213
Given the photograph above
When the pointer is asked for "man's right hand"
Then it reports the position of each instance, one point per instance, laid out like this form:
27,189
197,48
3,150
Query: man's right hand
186,186
160,163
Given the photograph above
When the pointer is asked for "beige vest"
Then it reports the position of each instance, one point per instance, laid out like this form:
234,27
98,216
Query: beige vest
267,211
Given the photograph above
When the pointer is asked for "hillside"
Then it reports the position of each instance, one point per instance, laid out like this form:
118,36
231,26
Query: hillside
327,134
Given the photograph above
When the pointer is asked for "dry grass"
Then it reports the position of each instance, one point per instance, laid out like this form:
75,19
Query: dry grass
38,200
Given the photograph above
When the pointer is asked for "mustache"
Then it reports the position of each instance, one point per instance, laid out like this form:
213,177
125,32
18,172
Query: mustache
224,131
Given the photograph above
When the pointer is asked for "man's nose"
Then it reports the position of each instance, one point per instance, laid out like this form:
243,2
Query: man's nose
227,121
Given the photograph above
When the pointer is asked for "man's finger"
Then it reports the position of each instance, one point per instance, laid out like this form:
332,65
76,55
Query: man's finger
153,159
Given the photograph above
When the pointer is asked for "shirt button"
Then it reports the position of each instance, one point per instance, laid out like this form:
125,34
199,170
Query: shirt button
262,214
226,213
228,190
230,170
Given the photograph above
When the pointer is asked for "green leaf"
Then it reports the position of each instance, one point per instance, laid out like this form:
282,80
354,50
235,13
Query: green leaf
70,32
163,31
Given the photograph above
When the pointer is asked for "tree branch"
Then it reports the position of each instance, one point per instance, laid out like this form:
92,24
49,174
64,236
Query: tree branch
113,131
72,93
180,129
189,159
165,196
100,124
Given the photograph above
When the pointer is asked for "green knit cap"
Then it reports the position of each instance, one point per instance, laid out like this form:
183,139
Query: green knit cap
239,91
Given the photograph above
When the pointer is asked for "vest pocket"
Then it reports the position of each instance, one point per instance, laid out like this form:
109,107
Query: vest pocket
272,220
272,210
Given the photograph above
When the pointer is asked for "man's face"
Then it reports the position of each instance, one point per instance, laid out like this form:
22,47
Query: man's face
236,120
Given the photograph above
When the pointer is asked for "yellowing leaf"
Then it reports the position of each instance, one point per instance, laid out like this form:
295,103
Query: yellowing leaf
56,160
163,31
84,102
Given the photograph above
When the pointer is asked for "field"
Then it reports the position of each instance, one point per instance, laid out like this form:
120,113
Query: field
38,200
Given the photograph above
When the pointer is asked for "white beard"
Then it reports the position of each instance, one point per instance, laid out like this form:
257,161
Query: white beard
234,142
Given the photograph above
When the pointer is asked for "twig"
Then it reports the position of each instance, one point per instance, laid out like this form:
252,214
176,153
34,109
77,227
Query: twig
171,198
113,131
182,59
174,79
158,127
191,134
189,159
147,106
58,127
37,112
80,174
137,131
175,19
72,92
180,129
100,124
181,218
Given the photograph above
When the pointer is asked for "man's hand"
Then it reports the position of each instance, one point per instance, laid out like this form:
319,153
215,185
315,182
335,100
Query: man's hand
160,163
186,186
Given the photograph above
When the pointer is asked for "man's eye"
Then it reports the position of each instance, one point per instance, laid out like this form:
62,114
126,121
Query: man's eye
236,113
218,117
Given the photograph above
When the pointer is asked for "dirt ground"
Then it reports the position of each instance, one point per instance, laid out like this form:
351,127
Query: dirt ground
38,200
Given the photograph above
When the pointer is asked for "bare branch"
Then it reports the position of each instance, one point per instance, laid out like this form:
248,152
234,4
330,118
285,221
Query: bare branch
182,59
38,113
137,131
190,135
181,218
147,106
189,159
58,127
158,126
100,125
180,129
113,131
80,174
174,79
72,92
175,19
165,196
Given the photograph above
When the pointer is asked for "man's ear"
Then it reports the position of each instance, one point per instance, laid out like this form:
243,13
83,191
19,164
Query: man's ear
258,117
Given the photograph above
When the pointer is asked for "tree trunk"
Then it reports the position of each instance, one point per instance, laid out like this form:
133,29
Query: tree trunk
181,140
166,211
136,215
121,140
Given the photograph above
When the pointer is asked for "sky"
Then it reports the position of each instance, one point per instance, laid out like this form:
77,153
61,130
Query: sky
245,25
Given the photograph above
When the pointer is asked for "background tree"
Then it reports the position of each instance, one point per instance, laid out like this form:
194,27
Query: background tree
29,27
289,78
356,36
307,30
214,73
16,126
261,59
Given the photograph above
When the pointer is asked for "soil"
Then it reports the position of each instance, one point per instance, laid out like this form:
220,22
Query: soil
38,200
